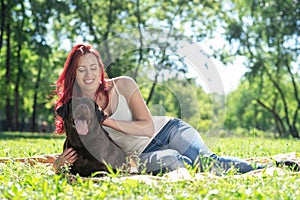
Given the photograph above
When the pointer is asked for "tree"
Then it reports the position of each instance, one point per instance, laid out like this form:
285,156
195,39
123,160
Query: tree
242,109
23,34
267,33
34,35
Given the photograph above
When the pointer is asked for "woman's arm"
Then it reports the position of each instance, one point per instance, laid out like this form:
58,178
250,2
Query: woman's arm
68,157
142,124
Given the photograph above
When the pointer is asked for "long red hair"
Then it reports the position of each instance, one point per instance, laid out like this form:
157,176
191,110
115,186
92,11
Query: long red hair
66,87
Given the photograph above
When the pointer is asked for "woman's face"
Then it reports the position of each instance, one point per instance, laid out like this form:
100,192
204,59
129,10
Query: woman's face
88,74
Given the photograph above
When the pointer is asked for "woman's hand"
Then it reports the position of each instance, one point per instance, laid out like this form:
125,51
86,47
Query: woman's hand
68,157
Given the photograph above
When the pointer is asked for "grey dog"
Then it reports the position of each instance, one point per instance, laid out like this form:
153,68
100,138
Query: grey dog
95,149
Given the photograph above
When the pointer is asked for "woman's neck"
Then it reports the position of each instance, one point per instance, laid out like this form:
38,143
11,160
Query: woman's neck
90,95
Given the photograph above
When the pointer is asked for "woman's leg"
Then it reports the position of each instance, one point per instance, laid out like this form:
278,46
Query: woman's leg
178,143
161,161
188,142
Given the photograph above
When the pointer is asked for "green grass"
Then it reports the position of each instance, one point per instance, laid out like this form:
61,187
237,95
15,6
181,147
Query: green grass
29,144
24,181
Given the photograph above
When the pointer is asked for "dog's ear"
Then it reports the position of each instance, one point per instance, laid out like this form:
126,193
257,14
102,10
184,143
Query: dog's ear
62,111
101,115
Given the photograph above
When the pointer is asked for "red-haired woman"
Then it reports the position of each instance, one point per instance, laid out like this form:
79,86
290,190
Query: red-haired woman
162,143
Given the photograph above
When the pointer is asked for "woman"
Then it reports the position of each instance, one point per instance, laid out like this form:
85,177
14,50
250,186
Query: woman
162,143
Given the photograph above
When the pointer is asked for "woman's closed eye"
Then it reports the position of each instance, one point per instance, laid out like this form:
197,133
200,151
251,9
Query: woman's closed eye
81,69
93,67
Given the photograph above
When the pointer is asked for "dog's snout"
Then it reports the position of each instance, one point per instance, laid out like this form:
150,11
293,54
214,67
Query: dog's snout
81,111
84,109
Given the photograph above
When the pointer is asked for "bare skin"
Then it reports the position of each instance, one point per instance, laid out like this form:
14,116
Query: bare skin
87,77
68,157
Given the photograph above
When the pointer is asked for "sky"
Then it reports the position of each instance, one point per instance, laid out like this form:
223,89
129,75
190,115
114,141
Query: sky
230,74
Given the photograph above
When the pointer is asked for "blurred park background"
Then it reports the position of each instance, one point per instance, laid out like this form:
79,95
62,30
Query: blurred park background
37,35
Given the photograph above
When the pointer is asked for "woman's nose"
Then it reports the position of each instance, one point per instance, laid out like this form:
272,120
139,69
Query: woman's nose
87,72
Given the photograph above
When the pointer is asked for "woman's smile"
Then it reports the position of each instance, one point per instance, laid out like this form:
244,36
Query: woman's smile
89,81
88,74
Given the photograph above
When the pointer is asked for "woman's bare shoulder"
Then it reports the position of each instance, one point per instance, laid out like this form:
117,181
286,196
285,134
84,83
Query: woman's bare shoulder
118,80
125,84
123,81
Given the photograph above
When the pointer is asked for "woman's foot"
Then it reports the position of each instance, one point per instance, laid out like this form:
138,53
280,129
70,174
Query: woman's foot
289,164
226,164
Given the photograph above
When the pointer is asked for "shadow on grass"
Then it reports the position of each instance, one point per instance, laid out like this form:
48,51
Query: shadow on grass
28,135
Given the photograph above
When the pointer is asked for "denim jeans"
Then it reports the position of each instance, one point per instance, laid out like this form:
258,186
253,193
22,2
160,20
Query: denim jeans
178,144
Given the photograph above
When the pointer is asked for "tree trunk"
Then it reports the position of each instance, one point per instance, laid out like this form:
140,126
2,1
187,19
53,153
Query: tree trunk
152,88
8,125
278,120
3,10
139,21
19,74
285,104
34,113
16,92
108,60
295,132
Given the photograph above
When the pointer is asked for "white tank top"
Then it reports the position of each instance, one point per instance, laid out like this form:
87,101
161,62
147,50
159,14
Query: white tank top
132,144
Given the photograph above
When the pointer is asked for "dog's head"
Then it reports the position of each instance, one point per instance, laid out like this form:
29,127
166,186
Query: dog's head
78,113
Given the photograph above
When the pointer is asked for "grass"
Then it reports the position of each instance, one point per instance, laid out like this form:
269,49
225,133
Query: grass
24,181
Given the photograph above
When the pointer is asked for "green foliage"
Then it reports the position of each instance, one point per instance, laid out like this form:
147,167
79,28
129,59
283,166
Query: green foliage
244,109
34,47
37,35
266,33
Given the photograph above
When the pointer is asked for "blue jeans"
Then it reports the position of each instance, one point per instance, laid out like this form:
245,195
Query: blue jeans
178,144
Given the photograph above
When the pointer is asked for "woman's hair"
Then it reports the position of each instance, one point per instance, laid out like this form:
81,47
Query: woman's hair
66,87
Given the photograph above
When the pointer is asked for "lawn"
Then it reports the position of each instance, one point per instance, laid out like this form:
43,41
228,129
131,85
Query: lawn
25,181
